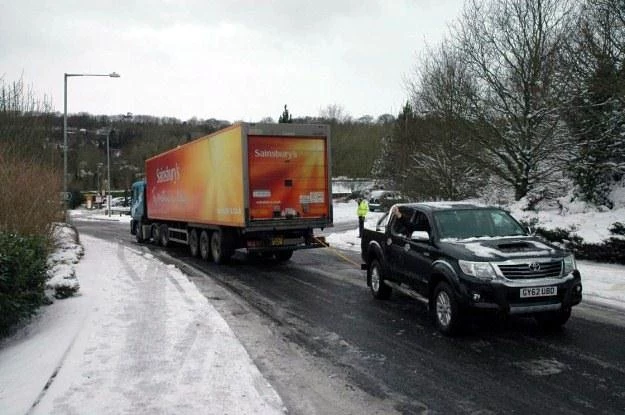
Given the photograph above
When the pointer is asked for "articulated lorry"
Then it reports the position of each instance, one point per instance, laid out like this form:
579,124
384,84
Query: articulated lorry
259,187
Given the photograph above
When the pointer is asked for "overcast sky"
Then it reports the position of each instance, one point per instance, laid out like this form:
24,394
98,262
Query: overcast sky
232,60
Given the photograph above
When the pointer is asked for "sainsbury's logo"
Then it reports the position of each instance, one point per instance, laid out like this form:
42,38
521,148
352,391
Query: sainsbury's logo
275,154
168,174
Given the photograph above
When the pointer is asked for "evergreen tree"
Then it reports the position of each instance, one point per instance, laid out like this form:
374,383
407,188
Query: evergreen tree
285,118
597,114
393,164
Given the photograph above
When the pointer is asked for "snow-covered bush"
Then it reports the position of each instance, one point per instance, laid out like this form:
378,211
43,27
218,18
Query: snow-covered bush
68,251
611,250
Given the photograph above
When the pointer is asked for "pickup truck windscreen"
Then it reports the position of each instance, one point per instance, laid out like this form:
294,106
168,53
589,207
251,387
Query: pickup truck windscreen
470,223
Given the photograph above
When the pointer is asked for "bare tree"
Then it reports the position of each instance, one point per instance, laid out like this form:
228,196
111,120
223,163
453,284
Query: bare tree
335,113
447,156
25,120
510,48
30,177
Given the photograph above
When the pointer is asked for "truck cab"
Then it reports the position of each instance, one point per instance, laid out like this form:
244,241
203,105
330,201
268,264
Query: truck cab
137,209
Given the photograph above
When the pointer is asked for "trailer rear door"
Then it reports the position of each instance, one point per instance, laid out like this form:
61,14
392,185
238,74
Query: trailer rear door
288,177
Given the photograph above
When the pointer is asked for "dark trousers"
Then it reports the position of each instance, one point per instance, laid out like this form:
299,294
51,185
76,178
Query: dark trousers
361,225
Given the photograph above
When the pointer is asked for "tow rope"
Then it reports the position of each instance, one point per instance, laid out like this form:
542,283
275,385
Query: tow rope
336,251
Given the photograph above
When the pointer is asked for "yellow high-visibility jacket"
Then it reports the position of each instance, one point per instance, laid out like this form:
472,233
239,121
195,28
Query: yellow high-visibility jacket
363,208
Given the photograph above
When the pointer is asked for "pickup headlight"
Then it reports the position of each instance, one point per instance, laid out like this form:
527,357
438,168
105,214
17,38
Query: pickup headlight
568,264
481,270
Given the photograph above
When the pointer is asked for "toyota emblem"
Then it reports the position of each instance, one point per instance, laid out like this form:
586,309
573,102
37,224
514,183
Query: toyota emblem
534,266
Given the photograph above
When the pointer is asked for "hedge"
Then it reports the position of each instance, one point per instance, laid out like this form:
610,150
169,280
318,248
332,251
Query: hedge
612,250
22,278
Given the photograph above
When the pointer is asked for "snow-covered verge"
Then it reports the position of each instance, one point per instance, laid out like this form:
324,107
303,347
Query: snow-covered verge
591,232
589,222
137,338
62,261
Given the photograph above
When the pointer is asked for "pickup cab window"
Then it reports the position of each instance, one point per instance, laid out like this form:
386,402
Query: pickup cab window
476,223
421,223
402,225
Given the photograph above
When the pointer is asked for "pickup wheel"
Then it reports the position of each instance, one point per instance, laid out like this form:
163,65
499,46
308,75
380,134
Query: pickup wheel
205,245
194,243
379,290
553,320
446,310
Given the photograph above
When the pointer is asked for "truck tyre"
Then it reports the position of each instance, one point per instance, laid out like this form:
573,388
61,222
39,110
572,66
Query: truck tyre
446,310
155,233
163,234
194,243
139,232
553,320
205,245
379,290
220,247
284,255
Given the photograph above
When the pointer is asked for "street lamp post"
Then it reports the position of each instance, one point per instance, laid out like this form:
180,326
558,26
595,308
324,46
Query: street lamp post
108,174
67,75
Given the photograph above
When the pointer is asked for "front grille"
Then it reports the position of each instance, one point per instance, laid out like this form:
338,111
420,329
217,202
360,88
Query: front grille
532,270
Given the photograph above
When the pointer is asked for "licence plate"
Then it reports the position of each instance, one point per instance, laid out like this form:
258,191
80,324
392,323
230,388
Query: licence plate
277,241
538,292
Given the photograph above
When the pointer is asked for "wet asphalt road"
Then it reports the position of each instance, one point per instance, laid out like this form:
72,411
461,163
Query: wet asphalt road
391,351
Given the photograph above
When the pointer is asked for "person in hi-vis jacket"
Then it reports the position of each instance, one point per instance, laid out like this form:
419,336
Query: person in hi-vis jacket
363,209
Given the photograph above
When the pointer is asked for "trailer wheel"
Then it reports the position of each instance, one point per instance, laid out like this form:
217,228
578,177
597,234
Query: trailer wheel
194,246
220,248
204,245
164,235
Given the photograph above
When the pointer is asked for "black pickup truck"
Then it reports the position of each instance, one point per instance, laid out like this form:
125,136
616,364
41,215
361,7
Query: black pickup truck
463,258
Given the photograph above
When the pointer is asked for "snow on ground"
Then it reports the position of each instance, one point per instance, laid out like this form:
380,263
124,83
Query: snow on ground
140,338
589,222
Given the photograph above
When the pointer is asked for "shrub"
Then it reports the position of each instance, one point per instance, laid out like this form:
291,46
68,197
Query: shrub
29,203
22,278
617,228
612,250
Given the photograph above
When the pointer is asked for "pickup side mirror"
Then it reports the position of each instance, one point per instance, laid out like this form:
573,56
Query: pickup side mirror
420,236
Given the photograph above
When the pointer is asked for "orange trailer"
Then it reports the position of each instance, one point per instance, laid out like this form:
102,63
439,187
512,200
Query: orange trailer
261,187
